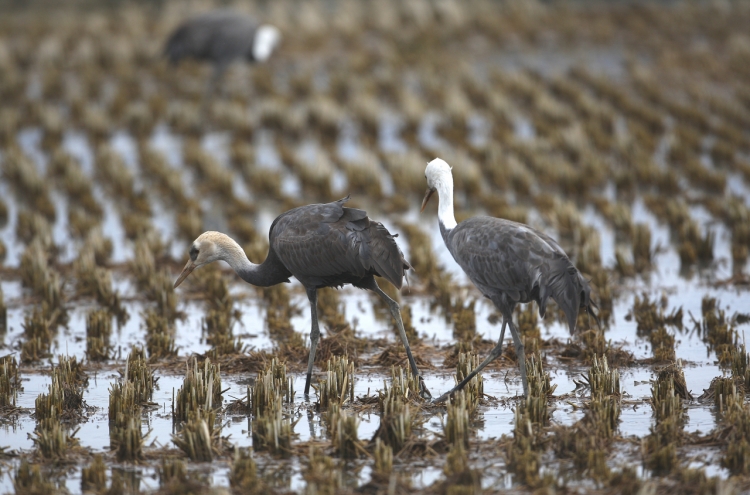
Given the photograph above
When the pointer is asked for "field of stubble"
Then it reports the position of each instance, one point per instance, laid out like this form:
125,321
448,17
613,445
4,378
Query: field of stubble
621,130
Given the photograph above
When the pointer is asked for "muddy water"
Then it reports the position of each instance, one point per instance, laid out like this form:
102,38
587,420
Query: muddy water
495,418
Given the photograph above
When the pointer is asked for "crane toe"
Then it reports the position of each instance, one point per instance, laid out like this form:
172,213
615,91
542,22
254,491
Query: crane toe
423,392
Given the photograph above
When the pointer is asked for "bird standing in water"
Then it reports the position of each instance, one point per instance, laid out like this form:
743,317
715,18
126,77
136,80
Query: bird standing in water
509,263
322,245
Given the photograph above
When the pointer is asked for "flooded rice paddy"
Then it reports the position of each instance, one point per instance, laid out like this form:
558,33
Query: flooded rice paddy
587,128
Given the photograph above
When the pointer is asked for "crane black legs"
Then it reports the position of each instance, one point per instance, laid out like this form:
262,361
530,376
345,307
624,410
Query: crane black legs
312,295
494,354
396,313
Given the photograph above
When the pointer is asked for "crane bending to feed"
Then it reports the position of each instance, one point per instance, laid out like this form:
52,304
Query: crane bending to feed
322,245
221,37
510,263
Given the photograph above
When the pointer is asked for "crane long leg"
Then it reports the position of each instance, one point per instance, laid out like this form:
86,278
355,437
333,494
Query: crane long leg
312,295
396,313
518,343
494,354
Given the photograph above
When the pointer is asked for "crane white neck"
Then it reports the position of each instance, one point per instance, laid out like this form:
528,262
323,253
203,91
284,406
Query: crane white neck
444,187
266,39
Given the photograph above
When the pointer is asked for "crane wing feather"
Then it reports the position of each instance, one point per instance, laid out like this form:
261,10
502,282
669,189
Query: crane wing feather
329,244
518,262
219,35
504,256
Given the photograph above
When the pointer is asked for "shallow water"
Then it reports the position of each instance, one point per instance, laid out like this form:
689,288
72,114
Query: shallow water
496,414
494,420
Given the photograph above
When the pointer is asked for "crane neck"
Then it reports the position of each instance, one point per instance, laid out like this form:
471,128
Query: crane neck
444,189
266,274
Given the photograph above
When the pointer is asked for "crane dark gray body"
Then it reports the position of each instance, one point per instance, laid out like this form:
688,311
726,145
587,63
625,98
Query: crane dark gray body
322,245
218,36
510,263
329,245
221,37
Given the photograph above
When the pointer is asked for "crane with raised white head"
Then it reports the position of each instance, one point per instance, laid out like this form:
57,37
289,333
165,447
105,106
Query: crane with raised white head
509,263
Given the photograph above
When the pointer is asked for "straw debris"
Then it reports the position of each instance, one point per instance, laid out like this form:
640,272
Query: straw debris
383,459
200,438
52,440
338,385
29,480
272,431
342,428
37,337
660,445
272,384
396,421
160,336
128,440
588,442
65,397
98,332
94,476
10,383
243,476
201,389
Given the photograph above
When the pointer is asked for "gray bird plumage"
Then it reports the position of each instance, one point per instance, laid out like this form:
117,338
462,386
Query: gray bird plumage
322,245
510,263
513,263
221,37
218,36
329,245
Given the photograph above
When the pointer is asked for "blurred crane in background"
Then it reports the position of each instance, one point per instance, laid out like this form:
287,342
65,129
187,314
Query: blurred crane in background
221,37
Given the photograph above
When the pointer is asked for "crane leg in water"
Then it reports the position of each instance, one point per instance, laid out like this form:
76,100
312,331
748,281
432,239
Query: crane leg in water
312,295
395,309
494,354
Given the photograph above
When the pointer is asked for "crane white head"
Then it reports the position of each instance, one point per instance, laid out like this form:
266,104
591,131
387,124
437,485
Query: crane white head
209,247
439,176
267,37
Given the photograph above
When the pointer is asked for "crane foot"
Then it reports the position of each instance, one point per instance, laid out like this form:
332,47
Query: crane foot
423,392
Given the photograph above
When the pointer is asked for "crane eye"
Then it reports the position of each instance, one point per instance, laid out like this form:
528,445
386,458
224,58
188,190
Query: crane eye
194,253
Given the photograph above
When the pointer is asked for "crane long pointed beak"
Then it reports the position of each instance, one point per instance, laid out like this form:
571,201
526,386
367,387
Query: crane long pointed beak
185,272
427,196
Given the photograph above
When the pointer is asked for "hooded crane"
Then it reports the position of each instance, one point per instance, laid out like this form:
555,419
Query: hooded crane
322,245
510,263
221,37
